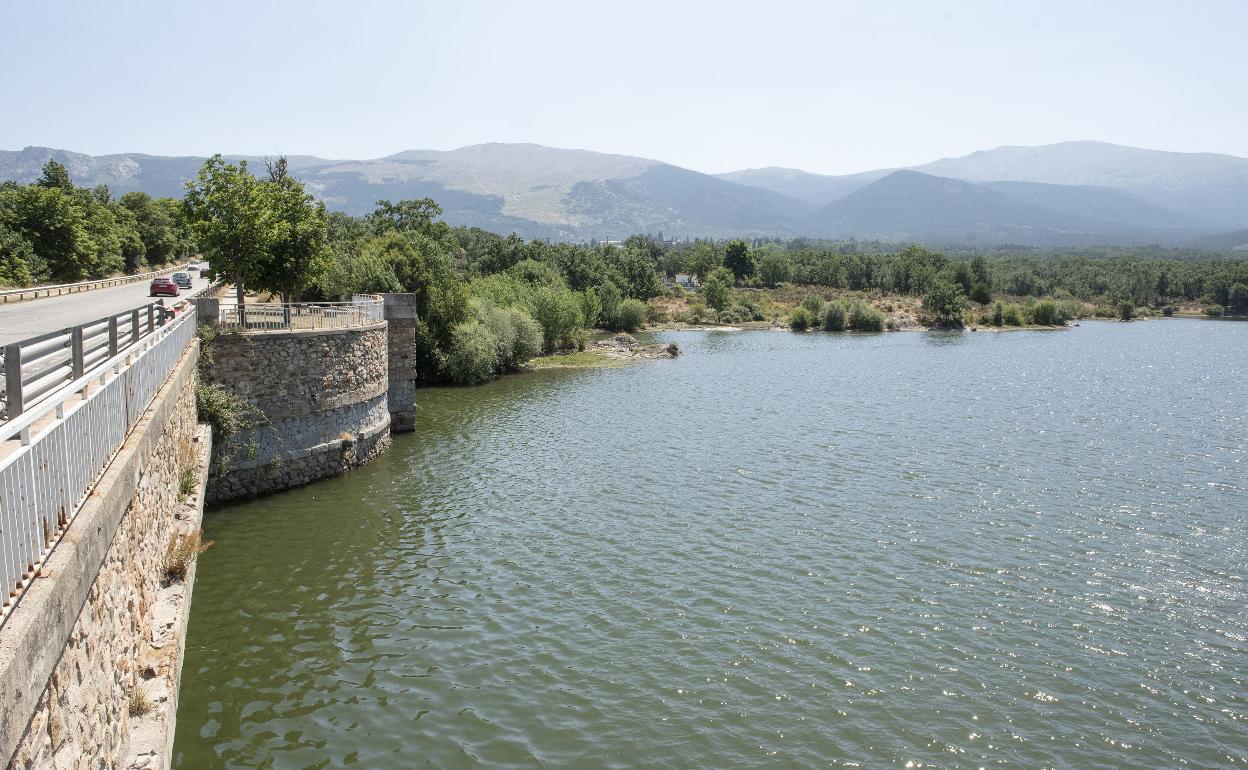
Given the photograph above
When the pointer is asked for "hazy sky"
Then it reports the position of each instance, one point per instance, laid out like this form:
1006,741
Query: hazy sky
713,86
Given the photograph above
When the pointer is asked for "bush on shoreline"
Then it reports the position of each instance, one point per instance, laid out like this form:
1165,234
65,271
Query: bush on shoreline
864,318
801,319
835,316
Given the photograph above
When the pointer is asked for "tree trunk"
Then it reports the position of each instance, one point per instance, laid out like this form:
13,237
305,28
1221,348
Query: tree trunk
239,297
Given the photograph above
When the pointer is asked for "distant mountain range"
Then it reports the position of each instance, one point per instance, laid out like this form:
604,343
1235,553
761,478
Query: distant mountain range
1073,193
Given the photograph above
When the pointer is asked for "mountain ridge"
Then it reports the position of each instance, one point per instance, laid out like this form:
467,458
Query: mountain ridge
573,194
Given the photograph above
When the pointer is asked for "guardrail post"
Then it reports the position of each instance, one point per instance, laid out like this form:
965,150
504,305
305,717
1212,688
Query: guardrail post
13,380
75,352
134,326
112,336
151,313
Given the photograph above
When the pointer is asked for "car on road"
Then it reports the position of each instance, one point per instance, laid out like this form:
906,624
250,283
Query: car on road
162,285
183,280
193,266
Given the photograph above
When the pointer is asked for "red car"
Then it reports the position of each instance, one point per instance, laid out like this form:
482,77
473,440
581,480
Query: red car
162,285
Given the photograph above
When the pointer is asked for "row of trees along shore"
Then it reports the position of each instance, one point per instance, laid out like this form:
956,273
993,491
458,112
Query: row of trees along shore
54,232
489,303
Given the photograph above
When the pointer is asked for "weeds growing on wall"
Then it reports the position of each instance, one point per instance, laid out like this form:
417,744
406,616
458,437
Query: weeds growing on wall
186,482
179,554
229,415
140,704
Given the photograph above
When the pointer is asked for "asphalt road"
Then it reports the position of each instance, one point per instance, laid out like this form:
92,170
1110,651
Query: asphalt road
20,320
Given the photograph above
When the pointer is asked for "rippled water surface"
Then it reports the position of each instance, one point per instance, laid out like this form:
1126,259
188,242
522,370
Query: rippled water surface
972,550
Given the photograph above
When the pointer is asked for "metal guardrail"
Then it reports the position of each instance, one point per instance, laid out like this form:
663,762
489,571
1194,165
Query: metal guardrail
52,455
12,295
36,367
308,315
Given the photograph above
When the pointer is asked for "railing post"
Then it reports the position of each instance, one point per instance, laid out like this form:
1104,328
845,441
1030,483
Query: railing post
134,326
112,336
151,313
13,380
75,352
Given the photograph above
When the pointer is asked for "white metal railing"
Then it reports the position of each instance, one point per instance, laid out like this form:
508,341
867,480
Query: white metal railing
307,315
35,367
52,455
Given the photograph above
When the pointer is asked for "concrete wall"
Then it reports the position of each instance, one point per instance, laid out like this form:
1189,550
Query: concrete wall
97,624
400,314
323,394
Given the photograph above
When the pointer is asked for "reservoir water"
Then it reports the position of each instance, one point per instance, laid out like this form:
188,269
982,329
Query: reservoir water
959,550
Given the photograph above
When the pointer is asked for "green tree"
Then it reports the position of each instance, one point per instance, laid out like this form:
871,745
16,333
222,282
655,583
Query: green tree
738,259
298,249
945,300
229,213
636,271
424,268
55,223
774,269
1237,299
55,176
716,289
701,260
559,313
155,225
17,259
419,216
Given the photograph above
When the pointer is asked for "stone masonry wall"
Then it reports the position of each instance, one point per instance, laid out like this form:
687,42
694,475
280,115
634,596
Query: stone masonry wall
400,313
82,718
323,394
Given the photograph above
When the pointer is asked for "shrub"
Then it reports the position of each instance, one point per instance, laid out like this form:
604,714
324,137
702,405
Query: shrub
998,315
229,415
632,315
737,314
591,307
528,338
1126,310
864,318
1012,315
1214,311
835,316
814,304
181,551
559,312
981,294
1168,311
186,482
517,336
801,319
716,291
1047,313
609,302
473,354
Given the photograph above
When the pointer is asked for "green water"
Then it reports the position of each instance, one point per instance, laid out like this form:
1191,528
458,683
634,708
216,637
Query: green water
942,550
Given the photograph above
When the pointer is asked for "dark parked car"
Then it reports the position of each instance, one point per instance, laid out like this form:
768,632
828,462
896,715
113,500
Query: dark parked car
183,280
162,285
